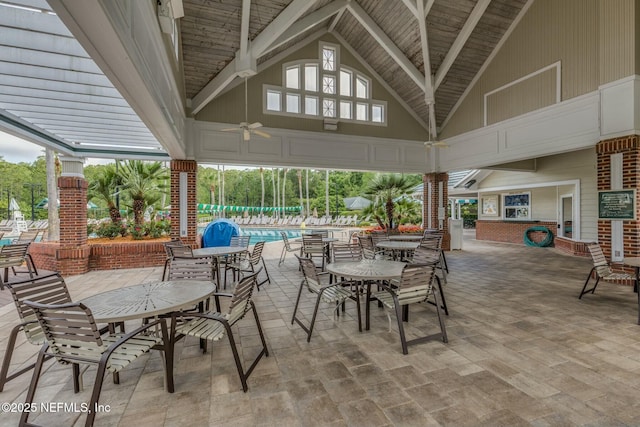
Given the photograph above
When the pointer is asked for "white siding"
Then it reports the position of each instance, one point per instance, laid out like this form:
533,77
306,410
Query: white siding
578,165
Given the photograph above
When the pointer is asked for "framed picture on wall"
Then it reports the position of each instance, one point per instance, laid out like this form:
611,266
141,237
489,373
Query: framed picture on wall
490,205
517,206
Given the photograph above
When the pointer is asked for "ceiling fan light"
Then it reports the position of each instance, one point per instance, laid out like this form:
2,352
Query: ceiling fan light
246,135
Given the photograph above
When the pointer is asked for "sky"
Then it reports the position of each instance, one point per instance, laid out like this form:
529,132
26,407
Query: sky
17,150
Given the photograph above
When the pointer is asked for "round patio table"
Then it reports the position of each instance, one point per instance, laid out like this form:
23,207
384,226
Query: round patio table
398,247
147,300
406,237
367,270
218,252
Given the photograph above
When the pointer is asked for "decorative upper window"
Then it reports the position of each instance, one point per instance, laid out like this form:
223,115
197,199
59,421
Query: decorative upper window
324,88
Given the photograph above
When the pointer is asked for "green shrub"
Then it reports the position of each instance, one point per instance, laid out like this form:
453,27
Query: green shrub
110,230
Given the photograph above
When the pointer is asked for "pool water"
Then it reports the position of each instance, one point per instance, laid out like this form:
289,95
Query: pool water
266,234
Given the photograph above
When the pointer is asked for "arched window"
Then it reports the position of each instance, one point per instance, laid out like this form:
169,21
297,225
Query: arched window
324,88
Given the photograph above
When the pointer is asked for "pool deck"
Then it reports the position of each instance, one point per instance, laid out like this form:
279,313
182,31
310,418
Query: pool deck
522,351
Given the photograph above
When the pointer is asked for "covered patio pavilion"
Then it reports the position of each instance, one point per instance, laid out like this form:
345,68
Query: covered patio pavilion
541,95
522,351
527,95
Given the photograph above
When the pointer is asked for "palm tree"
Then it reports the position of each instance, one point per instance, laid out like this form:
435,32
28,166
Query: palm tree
144,183
104,187
385,188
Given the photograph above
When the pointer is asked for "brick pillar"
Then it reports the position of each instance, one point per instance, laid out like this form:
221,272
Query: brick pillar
435,195
72,256
629,146
189,168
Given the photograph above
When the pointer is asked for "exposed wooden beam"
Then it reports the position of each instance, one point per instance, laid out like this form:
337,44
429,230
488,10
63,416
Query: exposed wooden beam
307,23
335,20
427,7
411,5
460,41
245,64
244,27
422,26
387,44
279,25
214,87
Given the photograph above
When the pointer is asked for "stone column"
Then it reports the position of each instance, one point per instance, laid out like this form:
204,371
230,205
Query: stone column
183,209
73,254
435,199
627,177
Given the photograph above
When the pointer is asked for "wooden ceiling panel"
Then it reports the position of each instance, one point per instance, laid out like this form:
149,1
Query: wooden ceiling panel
211,37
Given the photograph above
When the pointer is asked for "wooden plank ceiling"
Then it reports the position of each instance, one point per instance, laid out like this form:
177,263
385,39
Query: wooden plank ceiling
380,31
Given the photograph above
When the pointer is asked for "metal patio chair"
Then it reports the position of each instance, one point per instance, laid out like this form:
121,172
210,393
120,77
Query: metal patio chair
14,255
313,246
50,289
288,247
72,337
248,264
415,286
332,293
215,325
602,270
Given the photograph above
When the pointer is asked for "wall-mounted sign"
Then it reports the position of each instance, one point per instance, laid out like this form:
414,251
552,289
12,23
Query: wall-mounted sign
617,204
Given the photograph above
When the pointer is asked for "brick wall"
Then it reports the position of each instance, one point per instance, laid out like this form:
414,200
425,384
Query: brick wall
434,179
629,147
191,167
104,256
72,255
511,231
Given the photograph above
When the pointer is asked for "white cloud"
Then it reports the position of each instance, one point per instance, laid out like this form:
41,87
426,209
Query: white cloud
16,150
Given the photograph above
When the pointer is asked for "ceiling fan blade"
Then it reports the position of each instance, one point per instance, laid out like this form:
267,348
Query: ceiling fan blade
246,135
255,125
441,144
230,129
261,133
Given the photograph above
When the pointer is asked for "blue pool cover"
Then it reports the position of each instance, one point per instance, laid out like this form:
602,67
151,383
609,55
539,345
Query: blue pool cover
219,232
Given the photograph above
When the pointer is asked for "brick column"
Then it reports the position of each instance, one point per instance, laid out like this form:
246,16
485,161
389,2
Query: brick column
73,253
629,146
436,196
190,169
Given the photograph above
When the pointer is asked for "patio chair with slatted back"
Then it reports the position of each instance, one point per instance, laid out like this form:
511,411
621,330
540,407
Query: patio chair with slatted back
175,248
27,236
602,270
15,255
369,249
240,241
49,289
333,293
415,285
433,242
435,232
314,247
422,256
248,264
215,325
288,247
72,337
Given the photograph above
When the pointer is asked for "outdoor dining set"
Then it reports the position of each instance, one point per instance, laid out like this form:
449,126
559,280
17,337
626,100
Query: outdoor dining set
112,329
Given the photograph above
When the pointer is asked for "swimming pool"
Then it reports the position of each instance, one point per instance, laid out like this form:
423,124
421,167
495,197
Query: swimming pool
265,234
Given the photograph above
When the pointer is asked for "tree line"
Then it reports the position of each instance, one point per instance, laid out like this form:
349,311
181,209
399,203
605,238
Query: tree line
131,187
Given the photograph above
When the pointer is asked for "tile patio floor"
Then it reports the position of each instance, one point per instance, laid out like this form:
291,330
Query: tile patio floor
523,350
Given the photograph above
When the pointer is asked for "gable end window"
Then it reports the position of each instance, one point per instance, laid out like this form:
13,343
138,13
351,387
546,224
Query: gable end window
323,87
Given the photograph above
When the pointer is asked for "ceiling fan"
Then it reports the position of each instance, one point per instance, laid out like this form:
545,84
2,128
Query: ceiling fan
431,143
245,127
